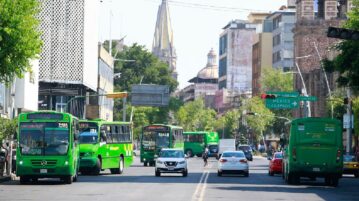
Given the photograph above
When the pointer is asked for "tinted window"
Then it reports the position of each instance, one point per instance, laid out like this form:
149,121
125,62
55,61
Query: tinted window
233,154
171,154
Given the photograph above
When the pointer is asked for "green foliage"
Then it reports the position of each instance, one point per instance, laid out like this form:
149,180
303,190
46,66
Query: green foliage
276,80
339,108
228,123
262,120
347,62
7,128
194,116
19,37
355,107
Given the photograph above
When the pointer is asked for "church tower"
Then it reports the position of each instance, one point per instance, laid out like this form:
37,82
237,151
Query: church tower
162,45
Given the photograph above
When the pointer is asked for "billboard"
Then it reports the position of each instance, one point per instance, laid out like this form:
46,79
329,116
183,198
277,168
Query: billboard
150,95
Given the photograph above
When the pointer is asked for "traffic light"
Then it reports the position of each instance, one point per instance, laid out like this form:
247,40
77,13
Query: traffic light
268,96
342,33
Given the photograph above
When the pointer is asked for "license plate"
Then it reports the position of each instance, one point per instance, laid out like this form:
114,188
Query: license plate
171,168
43,170
316,169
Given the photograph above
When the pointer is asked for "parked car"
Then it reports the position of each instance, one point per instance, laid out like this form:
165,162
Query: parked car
275,164
171,161
351,165
233,162
247,150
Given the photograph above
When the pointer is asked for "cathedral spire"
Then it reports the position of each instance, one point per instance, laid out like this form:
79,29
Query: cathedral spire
162,45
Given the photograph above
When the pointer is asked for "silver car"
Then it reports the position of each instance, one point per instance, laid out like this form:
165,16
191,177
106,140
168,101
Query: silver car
234,162
171,161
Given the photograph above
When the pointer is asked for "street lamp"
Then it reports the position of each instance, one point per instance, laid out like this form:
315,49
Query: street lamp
308,112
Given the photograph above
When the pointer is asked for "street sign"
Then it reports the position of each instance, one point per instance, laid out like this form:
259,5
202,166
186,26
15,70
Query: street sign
282,103
307,98
150,95
284,93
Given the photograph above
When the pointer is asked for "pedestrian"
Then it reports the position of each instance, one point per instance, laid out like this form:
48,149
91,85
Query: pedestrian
205,156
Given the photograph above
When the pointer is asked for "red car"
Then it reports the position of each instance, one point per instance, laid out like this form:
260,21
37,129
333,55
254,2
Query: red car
275,164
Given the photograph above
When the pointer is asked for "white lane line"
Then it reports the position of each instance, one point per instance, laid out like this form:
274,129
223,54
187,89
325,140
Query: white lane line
201,186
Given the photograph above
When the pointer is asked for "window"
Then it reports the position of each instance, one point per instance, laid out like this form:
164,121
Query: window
223,67
223,44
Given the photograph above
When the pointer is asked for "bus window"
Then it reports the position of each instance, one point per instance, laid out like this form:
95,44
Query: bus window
115,134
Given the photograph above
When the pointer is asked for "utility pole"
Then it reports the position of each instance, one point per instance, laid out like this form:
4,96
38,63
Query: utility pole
349,130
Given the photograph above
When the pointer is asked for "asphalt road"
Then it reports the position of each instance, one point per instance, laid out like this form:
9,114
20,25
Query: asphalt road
202,183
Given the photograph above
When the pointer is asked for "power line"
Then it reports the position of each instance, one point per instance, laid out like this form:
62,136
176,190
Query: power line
209,7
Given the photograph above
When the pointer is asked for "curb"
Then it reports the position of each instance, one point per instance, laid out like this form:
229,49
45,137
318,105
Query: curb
5,179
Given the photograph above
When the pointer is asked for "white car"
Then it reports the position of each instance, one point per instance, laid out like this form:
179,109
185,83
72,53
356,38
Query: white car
233,162
171,161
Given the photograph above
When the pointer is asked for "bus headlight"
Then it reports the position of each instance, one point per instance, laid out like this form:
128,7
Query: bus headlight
21,162
66,163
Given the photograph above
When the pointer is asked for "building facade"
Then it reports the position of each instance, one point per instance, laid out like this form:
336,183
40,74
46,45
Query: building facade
69,57
235,56
311,45
205,84
163,46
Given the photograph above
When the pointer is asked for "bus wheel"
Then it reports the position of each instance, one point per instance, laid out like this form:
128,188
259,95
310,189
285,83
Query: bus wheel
152,163
76,176
189,153
34,180
68,179
122,165
97,167
118,170
356,175
24,180
145,164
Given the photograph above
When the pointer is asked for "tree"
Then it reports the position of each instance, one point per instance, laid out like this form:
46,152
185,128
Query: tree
347,61
19,37
194,116
276,80
227,125
263,118
7,128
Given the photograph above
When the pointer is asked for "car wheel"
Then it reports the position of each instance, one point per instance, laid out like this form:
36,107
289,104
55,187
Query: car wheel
145,164
158,173
219,173
185,173
246,174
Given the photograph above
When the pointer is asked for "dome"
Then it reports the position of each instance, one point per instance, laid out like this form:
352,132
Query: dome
208,72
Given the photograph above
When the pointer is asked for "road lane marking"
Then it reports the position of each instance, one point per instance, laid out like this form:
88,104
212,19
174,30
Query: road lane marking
201,186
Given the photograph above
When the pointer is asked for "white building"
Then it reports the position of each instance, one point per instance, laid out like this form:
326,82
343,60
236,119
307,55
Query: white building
69,59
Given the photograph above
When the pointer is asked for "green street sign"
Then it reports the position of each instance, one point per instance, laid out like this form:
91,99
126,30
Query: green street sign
307,98
282,103
284,93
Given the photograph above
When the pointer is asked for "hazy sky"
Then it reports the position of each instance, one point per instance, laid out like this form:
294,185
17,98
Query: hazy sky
196,24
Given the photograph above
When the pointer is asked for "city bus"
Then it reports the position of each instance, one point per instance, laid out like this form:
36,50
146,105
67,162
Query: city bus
105,145
47,146
196,141
315,149
157,136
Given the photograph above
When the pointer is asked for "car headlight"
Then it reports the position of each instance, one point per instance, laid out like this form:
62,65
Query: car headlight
87,154
159,162
182,162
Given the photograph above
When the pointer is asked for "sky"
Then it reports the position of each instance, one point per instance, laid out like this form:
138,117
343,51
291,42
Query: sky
196,25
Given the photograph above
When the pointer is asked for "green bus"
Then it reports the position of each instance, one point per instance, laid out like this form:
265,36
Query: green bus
47,146
315,149
157,136
196,141
105,145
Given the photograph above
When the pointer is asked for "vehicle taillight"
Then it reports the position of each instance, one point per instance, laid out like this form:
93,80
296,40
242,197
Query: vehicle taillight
339,154
243,161
223,160
294,153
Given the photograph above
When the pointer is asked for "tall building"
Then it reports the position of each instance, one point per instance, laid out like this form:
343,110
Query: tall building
163,46
311,44
205,84
283,22
69,57
235,56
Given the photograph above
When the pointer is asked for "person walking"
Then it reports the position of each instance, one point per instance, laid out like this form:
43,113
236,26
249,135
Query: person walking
205,156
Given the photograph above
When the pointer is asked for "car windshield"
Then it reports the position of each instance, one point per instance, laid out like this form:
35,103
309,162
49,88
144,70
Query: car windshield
233,154
245,148
348,158
278,155
171,154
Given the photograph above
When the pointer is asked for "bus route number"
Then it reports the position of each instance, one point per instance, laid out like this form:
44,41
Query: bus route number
163,134
63,125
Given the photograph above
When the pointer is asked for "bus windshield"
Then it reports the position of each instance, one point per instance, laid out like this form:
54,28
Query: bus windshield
88,138
158,139
51,138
